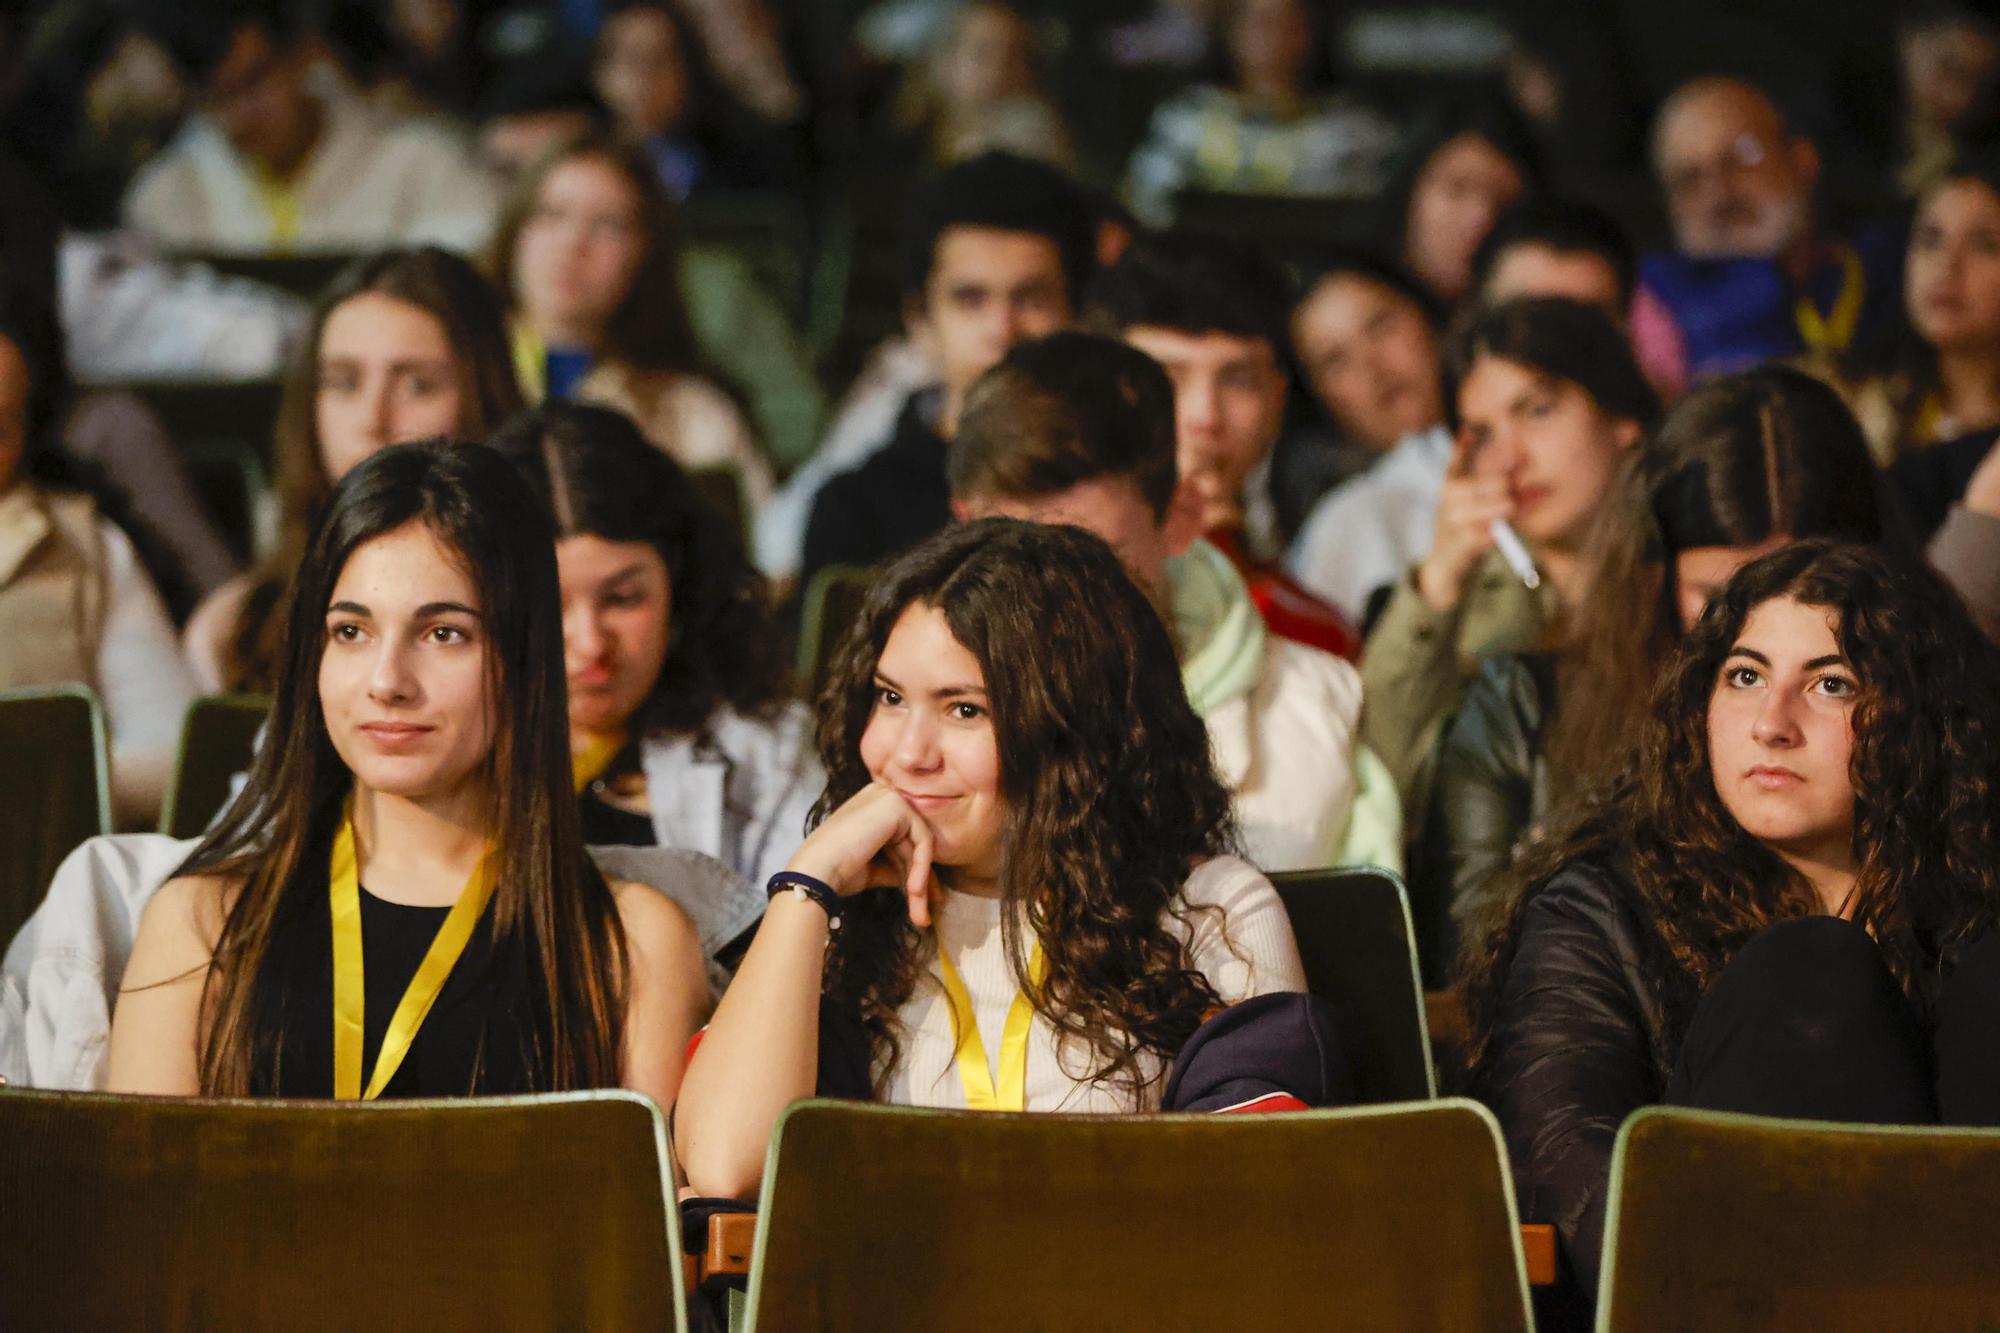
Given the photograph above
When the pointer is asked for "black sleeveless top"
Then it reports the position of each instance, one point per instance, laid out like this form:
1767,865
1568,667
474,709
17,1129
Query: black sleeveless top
606,824
473,1040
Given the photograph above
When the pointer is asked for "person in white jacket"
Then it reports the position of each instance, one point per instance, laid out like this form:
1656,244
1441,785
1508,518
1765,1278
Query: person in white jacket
681,728
273,164
1079,429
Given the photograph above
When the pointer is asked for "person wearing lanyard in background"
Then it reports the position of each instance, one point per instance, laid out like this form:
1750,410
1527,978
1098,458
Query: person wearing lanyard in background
399,903
1754,277
1013,759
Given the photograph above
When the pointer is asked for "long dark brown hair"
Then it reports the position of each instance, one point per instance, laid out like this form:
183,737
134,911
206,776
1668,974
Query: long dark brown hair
1741,460
1926,777
554,925
449,290
649,330
598,475
1110,793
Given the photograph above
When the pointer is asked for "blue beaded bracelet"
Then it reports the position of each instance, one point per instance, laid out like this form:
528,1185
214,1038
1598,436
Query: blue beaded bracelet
805,886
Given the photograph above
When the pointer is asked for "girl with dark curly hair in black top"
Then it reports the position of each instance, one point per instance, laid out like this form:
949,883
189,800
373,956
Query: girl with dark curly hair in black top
1013,760
1787,909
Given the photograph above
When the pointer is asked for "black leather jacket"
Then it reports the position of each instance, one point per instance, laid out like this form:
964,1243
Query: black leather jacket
1489,792
1577,1046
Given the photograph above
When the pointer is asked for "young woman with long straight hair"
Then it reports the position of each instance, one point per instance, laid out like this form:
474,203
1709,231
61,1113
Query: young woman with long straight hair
399,902
1011,755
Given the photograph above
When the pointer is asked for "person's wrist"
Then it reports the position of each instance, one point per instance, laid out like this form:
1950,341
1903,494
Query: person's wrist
1439,584
807,888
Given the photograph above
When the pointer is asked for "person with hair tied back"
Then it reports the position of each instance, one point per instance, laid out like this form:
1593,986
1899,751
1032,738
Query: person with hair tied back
682,731
402,346
399,902
1021,830
1545,398
1786,908
1742,465
1076,428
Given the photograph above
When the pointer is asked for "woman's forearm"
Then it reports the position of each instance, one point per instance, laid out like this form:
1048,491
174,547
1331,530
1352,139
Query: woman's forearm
760,1053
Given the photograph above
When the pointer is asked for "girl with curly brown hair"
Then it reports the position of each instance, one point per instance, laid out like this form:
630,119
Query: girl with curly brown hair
1787,909
1012,757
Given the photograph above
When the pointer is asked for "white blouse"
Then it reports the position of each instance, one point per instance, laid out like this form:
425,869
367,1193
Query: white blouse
1247,950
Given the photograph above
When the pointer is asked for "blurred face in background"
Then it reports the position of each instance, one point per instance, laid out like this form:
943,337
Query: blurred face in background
1531,268
1948,72
387,375
989,56
578,250
259,100
1548,441
1229,402
1371,358
988,289
641,72
1737,182
1952,273
1271,42
617,606
1459,194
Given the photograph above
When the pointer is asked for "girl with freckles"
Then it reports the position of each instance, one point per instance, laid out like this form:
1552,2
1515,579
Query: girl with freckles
1786,909
1021,894
399,903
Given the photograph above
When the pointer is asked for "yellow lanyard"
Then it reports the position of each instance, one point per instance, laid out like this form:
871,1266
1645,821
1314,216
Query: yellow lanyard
349,988
588,764
973,1071
281,205
1833,331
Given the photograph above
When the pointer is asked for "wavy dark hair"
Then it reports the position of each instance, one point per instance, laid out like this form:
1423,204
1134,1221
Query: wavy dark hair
1926,777
554,924
1563,339
598,475
1742,459
449,290
1105,773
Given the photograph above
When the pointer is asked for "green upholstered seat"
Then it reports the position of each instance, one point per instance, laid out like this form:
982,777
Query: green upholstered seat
216,745
1724,1222
891,1218
524,1212
55,790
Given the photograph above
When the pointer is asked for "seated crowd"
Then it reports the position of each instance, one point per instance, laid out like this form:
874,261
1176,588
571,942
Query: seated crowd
1631,593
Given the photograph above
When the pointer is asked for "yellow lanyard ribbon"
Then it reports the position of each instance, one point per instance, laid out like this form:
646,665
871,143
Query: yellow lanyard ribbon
282,208
973,1071
349,986
1833,331
588,764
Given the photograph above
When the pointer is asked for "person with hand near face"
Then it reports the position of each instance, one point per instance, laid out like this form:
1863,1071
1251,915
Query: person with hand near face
588,263
399,903
1210,313
998,252
1787,906
1545,399
682,731
1741,466
984,876
404,345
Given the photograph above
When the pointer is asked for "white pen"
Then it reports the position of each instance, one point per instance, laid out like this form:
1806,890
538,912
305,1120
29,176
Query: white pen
1515,553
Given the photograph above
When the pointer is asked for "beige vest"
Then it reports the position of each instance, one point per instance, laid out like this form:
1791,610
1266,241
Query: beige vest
51,588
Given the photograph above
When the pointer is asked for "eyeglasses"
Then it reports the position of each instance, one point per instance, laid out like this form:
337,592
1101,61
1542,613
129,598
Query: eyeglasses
1746,152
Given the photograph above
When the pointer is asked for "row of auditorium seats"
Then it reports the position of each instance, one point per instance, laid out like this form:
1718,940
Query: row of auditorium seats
556,1211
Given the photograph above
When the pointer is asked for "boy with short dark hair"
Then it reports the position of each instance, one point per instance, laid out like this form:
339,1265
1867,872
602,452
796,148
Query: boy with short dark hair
1078,428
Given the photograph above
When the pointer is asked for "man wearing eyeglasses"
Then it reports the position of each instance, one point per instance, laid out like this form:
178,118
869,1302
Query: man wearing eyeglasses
1753,277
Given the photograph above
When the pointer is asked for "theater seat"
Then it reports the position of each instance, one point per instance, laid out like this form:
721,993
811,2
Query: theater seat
55,789
1729,1222
893,1218
525,1212
217,741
